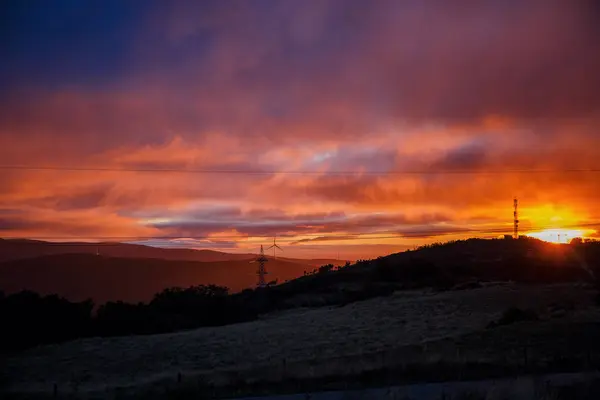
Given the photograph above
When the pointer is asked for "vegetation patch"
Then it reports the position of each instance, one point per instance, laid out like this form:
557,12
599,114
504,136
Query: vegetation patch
512,315
32,319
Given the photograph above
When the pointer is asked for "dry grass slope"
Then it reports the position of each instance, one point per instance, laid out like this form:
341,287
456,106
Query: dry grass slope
407,329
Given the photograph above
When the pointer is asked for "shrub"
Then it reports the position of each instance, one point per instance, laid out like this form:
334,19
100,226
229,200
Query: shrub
29,319
513,315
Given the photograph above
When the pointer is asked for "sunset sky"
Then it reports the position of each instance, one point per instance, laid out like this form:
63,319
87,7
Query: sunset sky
350,126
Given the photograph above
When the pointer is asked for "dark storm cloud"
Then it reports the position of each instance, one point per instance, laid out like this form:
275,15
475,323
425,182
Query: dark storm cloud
254,227
190,243
413,232
423,60
472,156
202,223
423,232
14,223
73,42
25,222
326,239
94,197
246,67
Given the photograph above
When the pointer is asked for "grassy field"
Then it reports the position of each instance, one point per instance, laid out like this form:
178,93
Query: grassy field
416,335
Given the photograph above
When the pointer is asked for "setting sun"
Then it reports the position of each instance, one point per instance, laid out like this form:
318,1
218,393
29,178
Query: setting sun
558,235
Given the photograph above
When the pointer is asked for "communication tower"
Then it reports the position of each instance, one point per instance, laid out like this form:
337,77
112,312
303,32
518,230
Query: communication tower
516,219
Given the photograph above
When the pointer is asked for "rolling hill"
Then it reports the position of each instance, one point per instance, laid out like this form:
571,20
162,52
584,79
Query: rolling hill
454,265
81,276
13,249
129,272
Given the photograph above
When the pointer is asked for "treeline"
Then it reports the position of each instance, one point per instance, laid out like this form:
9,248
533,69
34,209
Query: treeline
29,319
173,309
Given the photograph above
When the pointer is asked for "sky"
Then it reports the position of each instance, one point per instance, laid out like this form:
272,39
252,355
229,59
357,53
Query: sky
347,128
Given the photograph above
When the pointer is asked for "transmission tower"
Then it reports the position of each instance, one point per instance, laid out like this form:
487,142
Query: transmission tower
262,271
516,219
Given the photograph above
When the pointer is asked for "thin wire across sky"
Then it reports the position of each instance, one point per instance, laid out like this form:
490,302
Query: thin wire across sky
298,172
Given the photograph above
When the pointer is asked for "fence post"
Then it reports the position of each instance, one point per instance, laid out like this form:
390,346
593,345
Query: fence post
179,377
55,391
459,365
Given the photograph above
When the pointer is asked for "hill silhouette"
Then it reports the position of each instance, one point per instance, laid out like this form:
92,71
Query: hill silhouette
14,249
154,295
453,265
443,266
81,276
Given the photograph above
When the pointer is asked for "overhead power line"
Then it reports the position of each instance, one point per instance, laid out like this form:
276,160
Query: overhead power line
432,171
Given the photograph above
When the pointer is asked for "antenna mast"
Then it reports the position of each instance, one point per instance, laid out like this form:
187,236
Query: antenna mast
516,219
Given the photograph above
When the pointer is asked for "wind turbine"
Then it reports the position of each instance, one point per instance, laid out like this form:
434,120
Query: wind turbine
274,246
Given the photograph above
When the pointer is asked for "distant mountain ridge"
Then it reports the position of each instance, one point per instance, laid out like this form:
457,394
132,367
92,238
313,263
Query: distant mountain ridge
81,276
441,266
130,272
14,249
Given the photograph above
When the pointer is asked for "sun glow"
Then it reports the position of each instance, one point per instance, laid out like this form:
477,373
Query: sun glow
559,235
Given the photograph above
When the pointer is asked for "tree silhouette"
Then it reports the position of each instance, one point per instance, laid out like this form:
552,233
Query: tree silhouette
576,241
30,319
325,269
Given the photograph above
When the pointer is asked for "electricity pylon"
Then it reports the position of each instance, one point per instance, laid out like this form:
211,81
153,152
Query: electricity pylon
262,271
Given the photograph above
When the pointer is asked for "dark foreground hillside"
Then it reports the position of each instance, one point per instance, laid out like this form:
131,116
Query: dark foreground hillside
449,267
410,336
454,265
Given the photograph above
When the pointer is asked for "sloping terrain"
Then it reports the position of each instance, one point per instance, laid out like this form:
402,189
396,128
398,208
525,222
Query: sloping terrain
14,249
445,265
437,299
315,262
81,276
309,342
